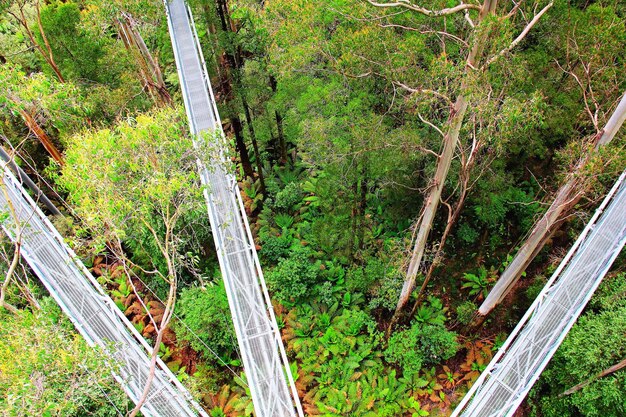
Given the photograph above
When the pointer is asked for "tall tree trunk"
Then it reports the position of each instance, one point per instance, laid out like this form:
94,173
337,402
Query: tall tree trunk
240,146
255,145
234,79
450,141
45,140
362,207
149,70
282,144
566,198
453,215
46,54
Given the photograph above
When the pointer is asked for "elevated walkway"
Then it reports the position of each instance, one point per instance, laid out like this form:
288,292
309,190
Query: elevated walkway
505,382
269,378
94,314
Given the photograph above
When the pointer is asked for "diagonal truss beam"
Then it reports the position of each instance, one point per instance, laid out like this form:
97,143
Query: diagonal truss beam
93,313
269,377
505,382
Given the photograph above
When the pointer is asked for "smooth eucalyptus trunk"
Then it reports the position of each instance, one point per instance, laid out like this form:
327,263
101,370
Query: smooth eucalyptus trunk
450,142
149,70
566,198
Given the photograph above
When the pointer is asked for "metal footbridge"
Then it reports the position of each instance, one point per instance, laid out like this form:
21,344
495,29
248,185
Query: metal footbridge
83,300
269,377
505,382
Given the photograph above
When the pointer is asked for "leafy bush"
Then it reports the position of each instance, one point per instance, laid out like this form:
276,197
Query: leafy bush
293,278
361,279
420,345
479,283
46,369
465,312
275,248
204,313
431,312
288,197
386,293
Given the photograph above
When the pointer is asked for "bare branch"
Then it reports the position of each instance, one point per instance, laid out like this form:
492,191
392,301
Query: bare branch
425,91
426,122
521,36
425,32
469,19
433,13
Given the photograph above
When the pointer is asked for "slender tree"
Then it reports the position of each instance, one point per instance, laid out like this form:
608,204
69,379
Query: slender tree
568,195
474,63
19,10
149,70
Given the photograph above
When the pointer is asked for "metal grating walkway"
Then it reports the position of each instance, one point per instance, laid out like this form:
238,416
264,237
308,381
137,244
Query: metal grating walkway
511,374
264,359
94,314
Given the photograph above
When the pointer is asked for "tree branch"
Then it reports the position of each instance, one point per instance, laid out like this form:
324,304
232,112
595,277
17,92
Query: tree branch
521,36
433,13
424,90
608,371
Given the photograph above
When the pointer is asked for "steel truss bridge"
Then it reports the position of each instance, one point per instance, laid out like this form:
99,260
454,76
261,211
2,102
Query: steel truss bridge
269,377
505,382
497,392
90,309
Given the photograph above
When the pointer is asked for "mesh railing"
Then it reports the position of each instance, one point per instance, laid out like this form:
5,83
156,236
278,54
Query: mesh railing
513,371
265,362
94,314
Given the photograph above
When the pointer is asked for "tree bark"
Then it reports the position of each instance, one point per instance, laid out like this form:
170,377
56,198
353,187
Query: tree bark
255,145
607,371
39,133
282,144
149,70
240,146
566,198
450,141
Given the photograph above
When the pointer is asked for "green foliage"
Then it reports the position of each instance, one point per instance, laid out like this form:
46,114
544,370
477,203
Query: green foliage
204,314
47,369
287,198
595,343
431,312
56,106
138,183
478,284
276,248
76,52
536,287
420,345
293,277
465,312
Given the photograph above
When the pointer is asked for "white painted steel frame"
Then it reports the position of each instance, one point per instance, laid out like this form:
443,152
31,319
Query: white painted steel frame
92,312
269,377
505,382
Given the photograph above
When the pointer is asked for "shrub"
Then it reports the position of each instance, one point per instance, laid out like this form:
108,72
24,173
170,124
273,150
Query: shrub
288,197
293,278
47,369
362,279
204,313
420,345
465,312
275,248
